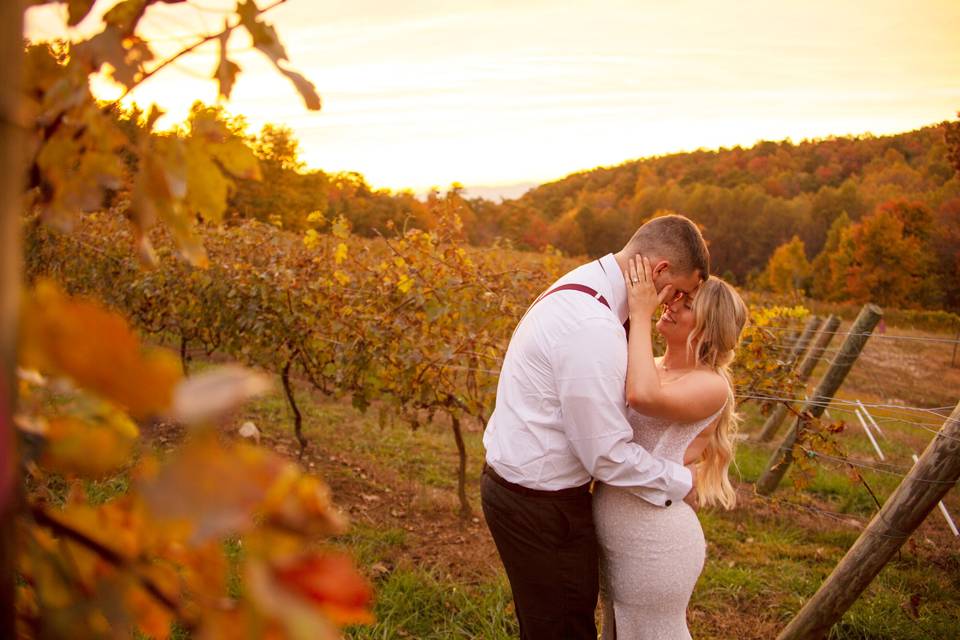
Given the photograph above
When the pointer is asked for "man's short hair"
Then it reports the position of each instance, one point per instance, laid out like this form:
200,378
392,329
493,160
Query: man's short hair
675,238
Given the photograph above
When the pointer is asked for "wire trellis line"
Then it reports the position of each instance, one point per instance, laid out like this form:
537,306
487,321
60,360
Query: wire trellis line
872,334
902,473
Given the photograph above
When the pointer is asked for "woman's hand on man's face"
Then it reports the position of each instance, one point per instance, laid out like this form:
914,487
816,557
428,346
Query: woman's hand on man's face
642,296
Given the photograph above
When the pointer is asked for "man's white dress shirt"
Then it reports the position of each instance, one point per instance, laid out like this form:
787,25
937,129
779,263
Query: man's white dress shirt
561,411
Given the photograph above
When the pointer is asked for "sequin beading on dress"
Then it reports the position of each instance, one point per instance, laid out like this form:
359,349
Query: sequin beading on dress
650,556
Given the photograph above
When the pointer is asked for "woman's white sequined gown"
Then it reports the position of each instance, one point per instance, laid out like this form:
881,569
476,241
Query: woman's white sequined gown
650,557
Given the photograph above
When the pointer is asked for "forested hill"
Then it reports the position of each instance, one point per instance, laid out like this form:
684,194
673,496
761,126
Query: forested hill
878,217
749,201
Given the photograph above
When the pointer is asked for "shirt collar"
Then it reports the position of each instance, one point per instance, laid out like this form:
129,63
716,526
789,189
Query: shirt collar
618,299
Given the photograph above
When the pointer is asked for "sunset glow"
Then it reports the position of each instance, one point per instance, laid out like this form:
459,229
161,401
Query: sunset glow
493,93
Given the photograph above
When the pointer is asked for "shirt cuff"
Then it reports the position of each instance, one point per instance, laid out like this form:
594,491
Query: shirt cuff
681,482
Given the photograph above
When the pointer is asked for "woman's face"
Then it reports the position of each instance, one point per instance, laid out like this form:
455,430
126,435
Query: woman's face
677,319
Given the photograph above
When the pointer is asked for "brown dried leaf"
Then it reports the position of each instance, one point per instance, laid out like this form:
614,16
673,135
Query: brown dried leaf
306,88
227,70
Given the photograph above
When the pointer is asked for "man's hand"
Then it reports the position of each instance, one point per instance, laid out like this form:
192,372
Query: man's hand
691,498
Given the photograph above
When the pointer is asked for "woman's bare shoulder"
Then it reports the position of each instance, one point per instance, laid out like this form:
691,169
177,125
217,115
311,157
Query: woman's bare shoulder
705,387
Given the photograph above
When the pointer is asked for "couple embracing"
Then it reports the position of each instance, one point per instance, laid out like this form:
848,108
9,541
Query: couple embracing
596,449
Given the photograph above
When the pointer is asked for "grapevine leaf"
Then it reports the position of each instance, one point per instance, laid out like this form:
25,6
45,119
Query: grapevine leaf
237,159
330,581
217,491
206,186
264,36
341,227
125,54
97,349
70,441
227,70
306,88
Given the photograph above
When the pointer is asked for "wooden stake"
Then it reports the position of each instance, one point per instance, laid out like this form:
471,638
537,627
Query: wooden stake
782,458
809,363
926,484
800,346
943,507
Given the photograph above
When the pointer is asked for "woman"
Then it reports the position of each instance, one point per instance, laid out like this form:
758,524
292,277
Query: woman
682,408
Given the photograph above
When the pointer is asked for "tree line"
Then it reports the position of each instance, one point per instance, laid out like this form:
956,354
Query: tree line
842,218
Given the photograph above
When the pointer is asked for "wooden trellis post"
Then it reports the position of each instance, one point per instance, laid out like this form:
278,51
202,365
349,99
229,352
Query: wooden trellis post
809,363
857,337
919,492
800,346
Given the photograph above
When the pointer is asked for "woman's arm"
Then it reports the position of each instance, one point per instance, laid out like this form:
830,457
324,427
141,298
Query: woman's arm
697,395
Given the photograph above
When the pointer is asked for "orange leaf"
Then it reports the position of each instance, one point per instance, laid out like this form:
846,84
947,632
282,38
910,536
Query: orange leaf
89,448
97,349
332,582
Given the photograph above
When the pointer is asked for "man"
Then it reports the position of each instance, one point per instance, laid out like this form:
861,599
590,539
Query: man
560,420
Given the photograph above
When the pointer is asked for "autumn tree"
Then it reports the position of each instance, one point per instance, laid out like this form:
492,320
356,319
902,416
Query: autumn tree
828,268
788,269
884,258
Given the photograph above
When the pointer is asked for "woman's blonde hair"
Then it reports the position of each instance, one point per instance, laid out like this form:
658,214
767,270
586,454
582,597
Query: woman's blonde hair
719,318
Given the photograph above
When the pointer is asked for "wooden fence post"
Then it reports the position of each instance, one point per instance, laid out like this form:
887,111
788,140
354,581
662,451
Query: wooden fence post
809,363
800,346
919,492
781,459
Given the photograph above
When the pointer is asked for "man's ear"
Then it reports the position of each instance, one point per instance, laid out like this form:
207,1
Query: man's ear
660,267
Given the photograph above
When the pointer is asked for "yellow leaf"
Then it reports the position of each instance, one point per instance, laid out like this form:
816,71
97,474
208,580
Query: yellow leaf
341,253
237,159
341,228
404,283
311,239
341,277
206,186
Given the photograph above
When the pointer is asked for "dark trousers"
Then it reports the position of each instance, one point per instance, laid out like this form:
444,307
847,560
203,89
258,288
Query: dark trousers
548,546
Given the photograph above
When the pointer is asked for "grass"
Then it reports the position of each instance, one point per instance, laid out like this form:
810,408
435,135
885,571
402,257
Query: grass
415,603
764,561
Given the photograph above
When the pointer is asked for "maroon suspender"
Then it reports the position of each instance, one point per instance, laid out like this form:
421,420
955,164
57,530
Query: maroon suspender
593,293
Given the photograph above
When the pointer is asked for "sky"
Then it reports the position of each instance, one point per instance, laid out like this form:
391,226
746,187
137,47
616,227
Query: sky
497,93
